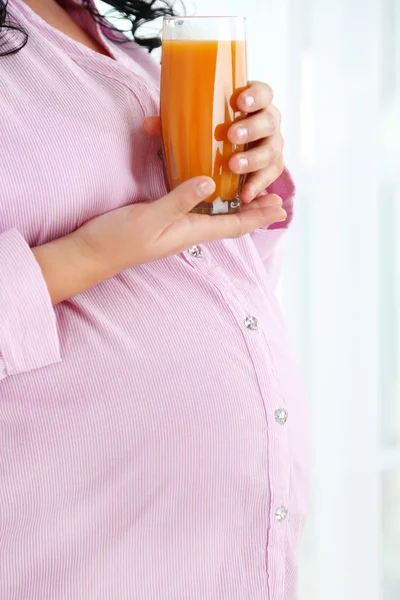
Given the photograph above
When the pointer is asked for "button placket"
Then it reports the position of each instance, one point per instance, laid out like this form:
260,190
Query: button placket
200,257
251,323
281,416
281,513
258,348
196,251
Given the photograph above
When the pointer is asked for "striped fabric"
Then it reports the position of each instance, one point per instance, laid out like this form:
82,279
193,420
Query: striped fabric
153,430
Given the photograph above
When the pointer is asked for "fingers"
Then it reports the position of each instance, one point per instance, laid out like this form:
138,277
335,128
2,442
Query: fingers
152,126
253,128
182,199
266,201
275,114
256,97
263,212
256,158
264,159
260,181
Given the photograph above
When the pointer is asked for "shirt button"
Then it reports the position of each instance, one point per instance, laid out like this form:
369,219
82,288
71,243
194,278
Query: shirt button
196,251
281,513
281,416
251,323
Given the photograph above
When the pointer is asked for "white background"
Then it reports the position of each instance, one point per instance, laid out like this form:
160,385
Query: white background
335,68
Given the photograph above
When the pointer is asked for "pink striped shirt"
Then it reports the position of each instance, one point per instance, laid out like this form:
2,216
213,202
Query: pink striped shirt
153,430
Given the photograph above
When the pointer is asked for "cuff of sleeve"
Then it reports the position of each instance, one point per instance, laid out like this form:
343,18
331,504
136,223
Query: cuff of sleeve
28,327
285,188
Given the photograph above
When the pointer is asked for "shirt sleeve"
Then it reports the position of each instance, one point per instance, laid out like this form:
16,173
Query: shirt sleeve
28,328
269,241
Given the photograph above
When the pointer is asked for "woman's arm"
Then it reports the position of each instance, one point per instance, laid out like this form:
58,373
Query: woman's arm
68,267
32,280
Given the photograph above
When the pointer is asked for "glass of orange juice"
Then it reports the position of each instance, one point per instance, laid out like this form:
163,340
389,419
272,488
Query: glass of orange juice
203,70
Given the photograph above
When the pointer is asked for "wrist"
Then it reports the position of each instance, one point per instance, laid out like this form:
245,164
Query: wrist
93,256
69,266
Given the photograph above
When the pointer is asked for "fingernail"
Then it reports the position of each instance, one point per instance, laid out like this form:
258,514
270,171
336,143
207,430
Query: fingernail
249,101
241,134
205,188
243,164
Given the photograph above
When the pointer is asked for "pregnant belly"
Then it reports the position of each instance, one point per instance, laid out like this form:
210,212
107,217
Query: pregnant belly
141,455
138,466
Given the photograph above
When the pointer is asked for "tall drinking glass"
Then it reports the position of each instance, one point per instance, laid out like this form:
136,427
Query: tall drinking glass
203,70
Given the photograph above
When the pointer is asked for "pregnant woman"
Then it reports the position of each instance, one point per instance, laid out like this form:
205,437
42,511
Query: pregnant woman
153,424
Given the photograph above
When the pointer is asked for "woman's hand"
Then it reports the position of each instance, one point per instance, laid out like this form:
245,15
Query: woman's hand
147,231
143,232
260,129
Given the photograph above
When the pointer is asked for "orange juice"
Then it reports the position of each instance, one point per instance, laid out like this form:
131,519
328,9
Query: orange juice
199,83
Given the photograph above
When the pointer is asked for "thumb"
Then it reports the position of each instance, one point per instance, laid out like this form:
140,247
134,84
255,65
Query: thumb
152,126
183,198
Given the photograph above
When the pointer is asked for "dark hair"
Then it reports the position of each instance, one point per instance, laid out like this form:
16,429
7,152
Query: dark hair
13,37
